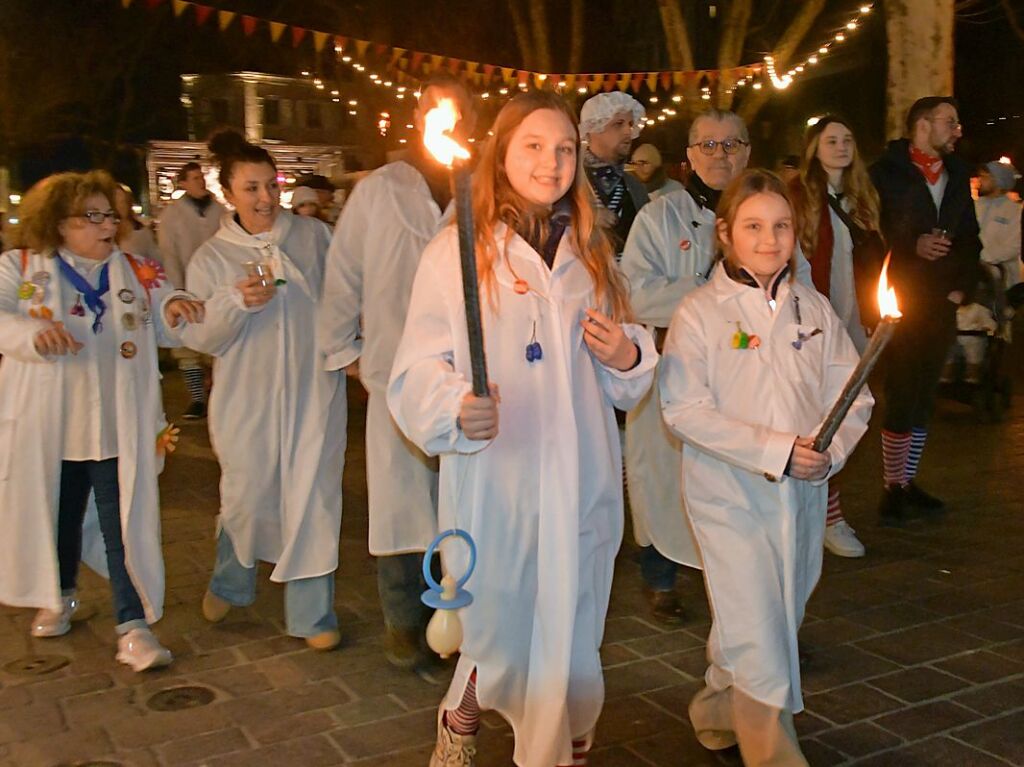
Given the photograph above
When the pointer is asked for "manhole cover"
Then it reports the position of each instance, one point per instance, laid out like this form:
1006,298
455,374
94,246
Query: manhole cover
180,698
91,763
36,665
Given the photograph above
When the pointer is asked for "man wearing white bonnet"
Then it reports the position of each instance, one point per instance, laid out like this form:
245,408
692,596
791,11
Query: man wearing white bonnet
999,217
608,124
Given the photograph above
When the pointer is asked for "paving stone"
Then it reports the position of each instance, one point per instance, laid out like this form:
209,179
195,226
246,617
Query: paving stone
46,748
315,750
614,654
365,710
926,719
859,739
820,755
892,617
918,684
981,666
1003,737
662,644
28,721
298,726
632,718
101,707
920,645
203,747
836,666
994,699
845,705
283,702
638,677
671,749
934,752
160,727
400,733
624,629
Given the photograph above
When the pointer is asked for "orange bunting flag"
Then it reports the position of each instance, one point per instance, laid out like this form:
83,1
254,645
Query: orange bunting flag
125,3
179,6
624,81
665,78
508,74
435,62
570,81
248,24
652,81
297,34
538,81
319,41
678,78
596,81
276,30
361,46
224,19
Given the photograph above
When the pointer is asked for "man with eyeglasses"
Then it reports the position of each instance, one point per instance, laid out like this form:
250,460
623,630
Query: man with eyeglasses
929,223
669,252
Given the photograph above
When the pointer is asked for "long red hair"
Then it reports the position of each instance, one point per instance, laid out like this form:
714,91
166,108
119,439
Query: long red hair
495,201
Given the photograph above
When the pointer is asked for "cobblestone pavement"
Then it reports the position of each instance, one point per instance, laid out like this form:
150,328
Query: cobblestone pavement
916,652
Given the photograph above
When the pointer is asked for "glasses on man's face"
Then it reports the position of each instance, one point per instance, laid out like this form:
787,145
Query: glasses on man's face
641,163
98,217
950,122
729,146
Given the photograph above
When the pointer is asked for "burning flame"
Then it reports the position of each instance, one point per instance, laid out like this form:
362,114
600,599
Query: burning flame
438,123
887,305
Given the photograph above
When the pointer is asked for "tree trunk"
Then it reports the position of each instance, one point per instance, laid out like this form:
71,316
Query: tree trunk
541,46
920,44
522,32
783,53
576,36
677,36
730,49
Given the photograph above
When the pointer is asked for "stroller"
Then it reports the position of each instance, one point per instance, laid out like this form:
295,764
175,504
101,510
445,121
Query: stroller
976,371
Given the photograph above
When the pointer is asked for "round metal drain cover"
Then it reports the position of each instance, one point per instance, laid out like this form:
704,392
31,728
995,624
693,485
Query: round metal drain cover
36,665
180,698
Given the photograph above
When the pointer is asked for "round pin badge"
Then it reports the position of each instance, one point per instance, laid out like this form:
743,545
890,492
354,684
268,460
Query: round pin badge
126,295
41,278
26,291
129,321
128,350
521,287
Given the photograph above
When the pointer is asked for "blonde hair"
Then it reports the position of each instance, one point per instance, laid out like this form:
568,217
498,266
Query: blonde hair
495,201
54,199
811,186
742,188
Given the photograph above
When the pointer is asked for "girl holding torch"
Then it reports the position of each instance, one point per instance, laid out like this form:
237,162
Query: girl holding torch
540,491
753,363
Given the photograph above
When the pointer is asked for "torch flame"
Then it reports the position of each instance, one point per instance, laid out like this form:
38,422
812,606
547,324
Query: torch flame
887,305
438,123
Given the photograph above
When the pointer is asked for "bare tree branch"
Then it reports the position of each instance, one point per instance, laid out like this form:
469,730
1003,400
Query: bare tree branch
677,36
522,32
730,50
576,36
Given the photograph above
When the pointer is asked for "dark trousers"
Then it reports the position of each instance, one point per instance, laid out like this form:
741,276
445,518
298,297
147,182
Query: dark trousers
658,571
400,583
914,361
77,478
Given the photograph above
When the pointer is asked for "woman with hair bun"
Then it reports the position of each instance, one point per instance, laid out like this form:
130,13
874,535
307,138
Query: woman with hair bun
277,419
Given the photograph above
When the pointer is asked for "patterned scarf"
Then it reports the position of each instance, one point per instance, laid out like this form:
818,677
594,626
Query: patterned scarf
929,165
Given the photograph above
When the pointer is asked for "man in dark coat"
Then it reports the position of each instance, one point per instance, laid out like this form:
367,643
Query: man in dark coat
929,223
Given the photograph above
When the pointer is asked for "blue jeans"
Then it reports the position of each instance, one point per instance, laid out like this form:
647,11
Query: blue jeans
659,572
77,478
308,602
400,583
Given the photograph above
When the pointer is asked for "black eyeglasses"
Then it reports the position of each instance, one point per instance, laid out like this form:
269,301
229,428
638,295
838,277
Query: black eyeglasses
729,146
98,217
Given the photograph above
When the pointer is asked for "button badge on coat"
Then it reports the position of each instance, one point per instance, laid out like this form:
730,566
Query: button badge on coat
128,350
126,295
129,321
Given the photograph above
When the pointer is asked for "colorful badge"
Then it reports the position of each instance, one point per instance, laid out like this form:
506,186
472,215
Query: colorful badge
522,287
126,295
26,291
128,350
41,313
685,245
742,340
129,321
41,278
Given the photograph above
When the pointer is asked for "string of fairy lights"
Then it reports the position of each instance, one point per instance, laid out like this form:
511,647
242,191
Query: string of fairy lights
662,107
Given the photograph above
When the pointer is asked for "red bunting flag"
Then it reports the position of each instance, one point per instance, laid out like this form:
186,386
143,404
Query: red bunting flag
202,13
151,4
249,24
297,34
415,61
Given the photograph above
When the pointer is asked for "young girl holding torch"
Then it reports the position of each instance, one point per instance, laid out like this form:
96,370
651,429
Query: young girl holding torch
753,362
538,488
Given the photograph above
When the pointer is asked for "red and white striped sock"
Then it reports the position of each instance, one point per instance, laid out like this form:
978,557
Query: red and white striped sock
835,511
895,452
579,753
465,720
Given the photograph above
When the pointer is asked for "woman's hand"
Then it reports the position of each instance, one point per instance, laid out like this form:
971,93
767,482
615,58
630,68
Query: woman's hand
608,342
184,310
55,340
806,463
478,416
253,292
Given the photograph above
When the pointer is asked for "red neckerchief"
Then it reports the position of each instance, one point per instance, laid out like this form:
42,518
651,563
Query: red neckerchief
929,165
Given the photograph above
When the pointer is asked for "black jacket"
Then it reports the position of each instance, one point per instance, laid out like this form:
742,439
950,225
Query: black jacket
908,212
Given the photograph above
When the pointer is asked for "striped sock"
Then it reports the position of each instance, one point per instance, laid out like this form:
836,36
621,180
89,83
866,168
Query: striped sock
465,720
835,511
917,439
895,450
579,753
194,382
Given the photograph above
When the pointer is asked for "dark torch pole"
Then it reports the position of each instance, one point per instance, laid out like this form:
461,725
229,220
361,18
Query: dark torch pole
470,287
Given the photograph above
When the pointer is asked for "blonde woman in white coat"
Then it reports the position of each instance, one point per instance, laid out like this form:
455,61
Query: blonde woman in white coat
81,415
277,419
753,362
540,493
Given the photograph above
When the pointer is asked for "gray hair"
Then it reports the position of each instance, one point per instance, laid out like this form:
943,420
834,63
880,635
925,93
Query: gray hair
718,115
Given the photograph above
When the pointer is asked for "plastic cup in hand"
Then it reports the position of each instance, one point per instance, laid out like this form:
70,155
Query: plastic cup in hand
939,232
261,270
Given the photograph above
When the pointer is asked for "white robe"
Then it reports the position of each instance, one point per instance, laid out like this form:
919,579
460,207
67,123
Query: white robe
181,230
32,428
670,252
999,221
277,419
842,289
738,411
386,224
543,500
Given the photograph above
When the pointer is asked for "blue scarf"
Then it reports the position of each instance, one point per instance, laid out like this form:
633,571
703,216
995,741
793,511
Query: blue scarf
93,296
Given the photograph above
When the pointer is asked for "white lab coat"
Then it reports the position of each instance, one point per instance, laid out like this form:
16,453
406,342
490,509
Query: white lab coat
543,500
670,252
738,411
181,231
32,428
999,221
384,227
142,243
277,418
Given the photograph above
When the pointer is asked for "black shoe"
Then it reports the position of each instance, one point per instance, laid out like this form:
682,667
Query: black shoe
195,411
924,501
894,510
665,607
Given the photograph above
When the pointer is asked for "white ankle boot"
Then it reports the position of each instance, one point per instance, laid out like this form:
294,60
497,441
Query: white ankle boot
55,623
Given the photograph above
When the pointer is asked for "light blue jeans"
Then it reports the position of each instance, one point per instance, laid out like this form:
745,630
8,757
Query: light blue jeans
308,602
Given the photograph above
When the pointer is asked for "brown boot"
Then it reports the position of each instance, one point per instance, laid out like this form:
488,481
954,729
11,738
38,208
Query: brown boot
665,607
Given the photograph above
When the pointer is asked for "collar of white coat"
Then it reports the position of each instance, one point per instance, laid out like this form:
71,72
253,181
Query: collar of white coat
520,250
725,287
233,232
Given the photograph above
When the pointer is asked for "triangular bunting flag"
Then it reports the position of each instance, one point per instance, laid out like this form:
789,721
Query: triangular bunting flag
361,46
595,83
380,49
125,3
416,61
340,44
508,74
319,41
151,4
570,81
179,6
666,79
678,78
396,54
624,80
435,62
472,66
523,77
224,19
202,13
297,34
248,24
538,81
638,80
276,30
488,71
652,81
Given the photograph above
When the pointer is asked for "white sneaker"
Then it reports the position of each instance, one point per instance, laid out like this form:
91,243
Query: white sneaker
452,750
141,650
841,540
55,623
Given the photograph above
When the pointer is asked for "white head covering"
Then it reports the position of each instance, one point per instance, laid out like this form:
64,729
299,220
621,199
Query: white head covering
599,110
1004,174
302,194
